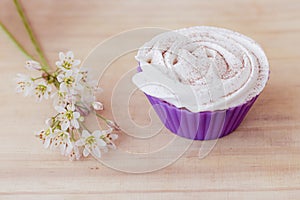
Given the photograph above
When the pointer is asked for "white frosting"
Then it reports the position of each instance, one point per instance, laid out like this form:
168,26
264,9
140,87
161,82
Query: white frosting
223,68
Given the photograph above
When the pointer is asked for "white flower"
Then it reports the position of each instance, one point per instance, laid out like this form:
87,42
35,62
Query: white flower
70,82
109,140
87,80
92,143
84,104
74,99
75,153
62,141
109,137
46,136
66,61
90,85
97,105
84,73
62,98
87,98
68,116
25,84
59,98
42,90
33,65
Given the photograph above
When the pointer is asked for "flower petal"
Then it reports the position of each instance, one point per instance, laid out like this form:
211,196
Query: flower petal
70,54
101,143
75,123
96,152
85,134
63,87
76,62
86,152
79,142
60,109
61,56
105,149
79,87
112,145
69,73
107,131
58,63
114,136
62,149
97,134
46,143
69,149
60,77
65,125
76,115
71,107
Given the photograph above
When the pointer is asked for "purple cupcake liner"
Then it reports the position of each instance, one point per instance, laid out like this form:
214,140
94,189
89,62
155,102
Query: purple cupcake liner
207,125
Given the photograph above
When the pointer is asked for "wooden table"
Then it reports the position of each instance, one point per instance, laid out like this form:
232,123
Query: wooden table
260,160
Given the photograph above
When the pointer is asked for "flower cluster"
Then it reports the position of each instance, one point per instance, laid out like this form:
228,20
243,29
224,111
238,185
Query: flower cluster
73,93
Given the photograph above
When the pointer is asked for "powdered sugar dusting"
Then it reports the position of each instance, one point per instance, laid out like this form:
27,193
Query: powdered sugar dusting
186,55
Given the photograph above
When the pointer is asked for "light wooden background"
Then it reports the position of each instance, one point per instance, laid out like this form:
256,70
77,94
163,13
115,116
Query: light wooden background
261,160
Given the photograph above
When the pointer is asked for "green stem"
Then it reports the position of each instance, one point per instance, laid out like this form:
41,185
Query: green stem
30,33
84,126
56,83
55,124
72,136
55,115
20,47
101,117
34,79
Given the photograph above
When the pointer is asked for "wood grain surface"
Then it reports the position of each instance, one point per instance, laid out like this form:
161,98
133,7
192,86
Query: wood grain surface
260,160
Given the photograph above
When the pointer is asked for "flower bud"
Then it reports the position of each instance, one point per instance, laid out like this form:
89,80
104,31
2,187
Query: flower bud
113,125
97,105
49,122
81,119
33,65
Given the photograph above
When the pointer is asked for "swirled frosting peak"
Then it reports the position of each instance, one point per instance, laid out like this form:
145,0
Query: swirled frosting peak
223,68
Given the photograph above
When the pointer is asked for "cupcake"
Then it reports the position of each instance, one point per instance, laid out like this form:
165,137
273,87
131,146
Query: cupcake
201,81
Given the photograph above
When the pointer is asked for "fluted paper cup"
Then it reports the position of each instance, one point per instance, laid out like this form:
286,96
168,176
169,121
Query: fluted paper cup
208,125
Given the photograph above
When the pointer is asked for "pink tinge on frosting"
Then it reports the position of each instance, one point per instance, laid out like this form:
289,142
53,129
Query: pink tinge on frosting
224,68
